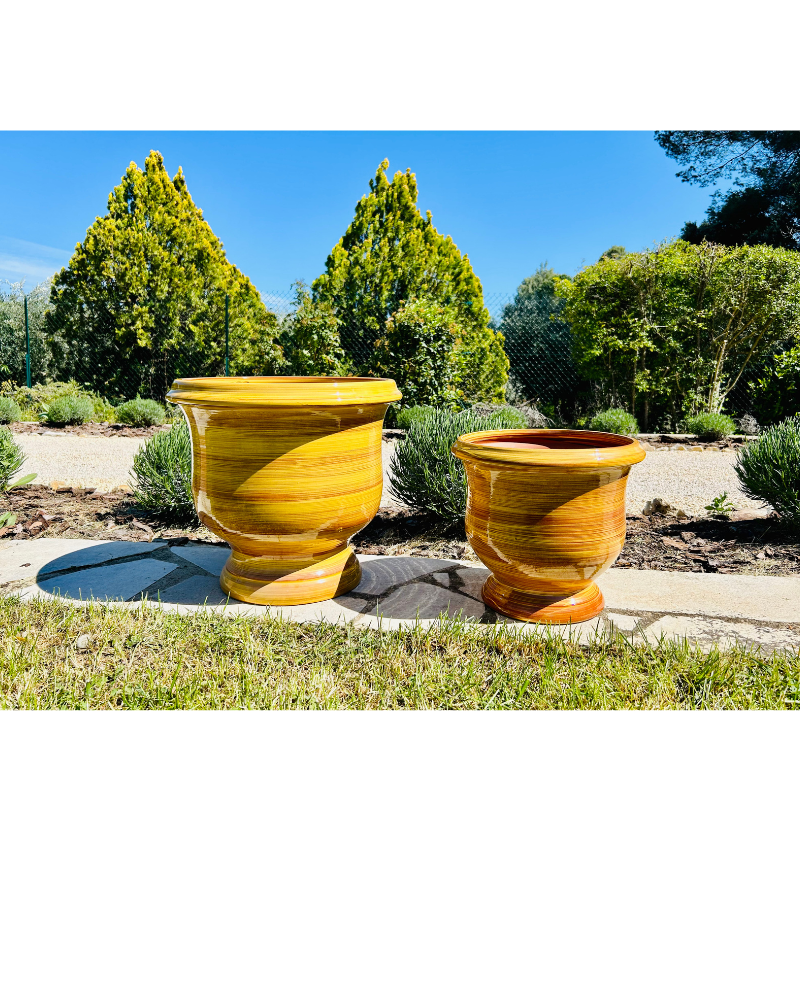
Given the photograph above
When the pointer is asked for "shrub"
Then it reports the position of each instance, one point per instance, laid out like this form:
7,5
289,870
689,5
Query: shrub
68,410
710,426
35,400
419,351
141,413
310,337
162,475
12,458
425,474
769,469
411,414
9,410
614,422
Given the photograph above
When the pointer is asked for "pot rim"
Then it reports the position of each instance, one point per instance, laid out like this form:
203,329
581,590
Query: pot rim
600,449
283,390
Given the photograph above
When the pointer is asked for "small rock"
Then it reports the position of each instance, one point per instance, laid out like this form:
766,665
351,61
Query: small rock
760,555
749,515
657,506
83,641
695,447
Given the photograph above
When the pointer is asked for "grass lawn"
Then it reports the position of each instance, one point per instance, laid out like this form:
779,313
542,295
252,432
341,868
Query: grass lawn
144,658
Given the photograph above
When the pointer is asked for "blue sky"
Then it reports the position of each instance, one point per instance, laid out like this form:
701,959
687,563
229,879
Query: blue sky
280,200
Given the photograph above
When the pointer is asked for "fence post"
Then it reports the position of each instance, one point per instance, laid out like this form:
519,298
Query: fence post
226,334
27,347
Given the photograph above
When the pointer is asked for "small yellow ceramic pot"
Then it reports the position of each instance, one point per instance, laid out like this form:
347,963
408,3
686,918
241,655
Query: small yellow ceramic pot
546,514
286,470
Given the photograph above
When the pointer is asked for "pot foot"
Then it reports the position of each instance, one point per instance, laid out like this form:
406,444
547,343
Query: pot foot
284,582
580,607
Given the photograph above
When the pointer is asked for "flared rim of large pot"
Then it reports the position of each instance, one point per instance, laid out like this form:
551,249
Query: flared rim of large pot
283,390
550,447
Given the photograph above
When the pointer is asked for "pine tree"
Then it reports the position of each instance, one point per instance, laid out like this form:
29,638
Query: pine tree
391,255
143,297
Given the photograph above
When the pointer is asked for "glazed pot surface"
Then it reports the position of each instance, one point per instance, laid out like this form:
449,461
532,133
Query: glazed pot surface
546,514
286,470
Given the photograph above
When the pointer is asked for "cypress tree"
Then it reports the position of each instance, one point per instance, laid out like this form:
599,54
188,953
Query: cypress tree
390,256
143,297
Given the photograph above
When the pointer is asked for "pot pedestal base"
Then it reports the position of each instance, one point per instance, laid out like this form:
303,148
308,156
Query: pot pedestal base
283,582
527,607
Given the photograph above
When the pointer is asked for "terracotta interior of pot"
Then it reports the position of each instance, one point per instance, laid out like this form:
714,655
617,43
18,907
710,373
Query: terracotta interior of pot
553,442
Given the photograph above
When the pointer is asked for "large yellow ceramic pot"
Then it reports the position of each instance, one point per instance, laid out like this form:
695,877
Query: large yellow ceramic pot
286,470
546,514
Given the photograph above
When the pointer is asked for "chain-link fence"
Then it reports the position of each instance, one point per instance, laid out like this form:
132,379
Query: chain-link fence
538,345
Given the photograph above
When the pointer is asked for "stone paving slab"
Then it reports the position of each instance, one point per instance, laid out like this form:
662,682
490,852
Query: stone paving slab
402,591
21,560
115,582
763,598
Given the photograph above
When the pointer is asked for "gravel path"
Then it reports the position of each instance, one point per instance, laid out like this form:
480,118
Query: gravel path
686,479
78,461
99,461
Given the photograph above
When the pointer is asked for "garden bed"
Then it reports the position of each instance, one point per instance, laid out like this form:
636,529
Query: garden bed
749,543
90,429
690,442
71,512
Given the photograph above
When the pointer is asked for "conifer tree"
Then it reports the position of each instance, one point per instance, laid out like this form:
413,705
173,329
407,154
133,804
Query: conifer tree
143,297
391,255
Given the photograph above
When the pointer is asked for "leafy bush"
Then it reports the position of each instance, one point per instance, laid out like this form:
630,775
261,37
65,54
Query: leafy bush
12,458
310,337
68,410
658,327
410,414
769,469
419,350
162,475
614,422
711,426
9,410
425,474
35,400
141,413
